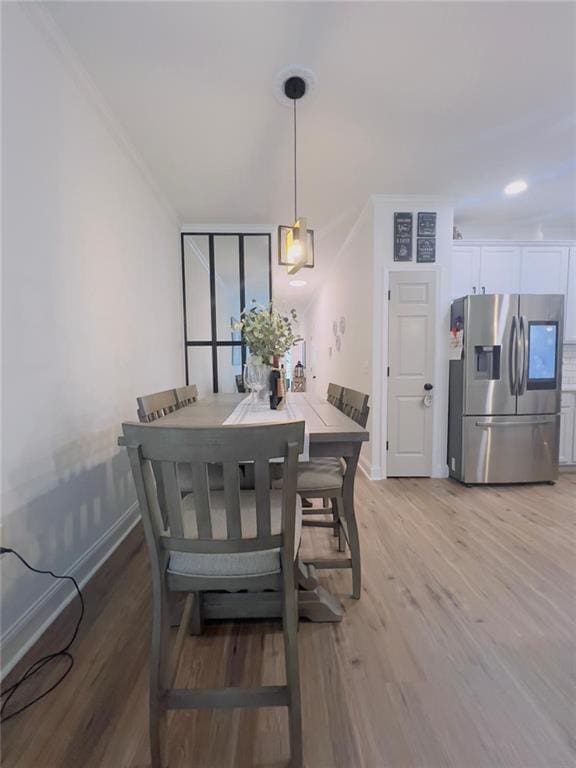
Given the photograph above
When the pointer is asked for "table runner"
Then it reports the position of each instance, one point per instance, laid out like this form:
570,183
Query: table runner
248,412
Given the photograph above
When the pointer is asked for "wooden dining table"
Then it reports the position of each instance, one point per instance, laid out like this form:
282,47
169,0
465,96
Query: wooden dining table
331,433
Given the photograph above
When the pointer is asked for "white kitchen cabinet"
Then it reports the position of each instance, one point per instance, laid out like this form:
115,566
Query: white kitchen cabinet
568,428
465,270
485,269
570,304
519,267
500,269
544,269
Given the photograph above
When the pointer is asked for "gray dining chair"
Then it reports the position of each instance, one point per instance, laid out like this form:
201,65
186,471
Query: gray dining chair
331,479
334,394
156,405
355,405
230,540
186,395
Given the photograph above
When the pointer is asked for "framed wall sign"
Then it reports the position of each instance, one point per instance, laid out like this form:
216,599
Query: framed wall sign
426,250
427,224
402,237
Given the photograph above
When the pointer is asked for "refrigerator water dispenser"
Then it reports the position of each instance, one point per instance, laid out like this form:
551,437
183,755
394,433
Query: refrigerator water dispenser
487,362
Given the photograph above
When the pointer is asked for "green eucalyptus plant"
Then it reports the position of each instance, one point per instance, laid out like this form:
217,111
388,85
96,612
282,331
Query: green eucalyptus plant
267,332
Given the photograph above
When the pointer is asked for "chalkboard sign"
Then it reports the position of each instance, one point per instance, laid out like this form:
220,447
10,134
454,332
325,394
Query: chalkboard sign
427,224
402,237
426,250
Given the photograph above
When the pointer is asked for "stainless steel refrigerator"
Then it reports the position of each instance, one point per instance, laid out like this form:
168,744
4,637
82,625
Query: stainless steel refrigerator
504,395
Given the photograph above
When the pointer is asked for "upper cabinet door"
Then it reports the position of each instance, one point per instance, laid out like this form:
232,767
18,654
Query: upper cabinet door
465,270
570,303
500,269
544,269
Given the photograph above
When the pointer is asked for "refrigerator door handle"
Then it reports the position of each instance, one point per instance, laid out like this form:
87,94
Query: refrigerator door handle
513,356
523,348
517,423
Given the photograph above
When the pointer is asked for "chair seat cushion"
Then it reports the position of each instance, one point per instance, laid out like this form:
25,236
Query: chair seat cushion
322,473
240,564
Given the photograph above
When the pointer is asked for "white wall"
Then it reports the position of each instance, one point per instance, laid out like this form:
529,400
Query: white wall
91,318
384,208
347,293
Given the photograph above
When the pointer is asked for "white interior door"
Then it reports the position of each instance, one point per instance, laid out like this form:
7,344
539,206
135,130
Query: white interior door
411,328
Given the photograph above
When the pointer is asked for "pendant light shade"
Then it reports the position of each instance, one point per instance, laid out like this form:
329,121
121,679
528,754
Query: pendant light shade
296,242
295,246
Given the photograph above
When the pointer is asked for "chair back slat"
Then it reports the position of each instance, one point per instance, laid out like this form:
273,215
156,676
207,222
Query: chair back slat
334,394
202,499
232,500
157,519
362,419
262,490
186,395
355,405
152,407
290,483
172,497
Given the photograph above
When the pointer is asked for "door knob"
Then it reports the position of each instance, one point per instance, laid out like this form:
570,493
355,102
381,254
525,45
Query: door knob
428,387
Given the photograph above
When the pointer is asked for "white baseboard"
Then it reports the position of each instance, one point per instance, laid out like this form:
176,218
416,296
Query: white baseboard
364,466
371,471
21,636
374,472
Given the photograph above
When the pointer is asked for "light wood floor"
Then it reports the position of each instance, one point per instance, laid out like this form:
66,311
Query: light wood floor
461,652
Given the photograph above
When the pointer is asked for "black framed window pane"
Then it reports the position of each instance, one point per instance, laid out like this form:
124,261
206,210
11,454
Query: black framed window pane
256,269
229,366
198,307
200,369
227,285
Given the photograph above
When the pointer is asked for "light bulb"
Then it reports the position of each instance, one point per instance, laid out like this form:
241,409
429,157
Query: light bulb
294,252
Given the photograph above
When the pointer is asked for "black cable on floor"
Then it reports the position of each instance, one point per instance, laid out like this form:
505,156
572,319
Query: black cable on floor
42,662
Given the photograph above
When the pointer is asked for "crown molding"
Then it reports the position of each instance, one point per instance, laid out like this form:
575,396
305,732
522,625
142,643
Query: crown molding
437,199
46,24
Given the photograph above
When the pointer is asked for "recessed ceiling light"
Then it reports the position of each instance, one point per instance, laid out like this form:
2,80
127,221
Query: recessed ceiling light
516,187
297,283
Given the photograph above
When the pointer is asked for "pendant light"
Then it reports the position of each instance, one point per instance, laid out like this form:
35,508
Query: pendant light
295,243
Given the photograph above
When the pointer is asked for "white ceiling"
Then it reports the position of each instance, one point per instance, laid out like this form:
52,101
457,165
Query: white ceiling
433,98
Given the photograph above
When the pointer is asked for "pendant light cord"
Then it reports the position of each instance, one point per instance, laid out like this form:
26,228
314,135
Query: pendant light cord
295,170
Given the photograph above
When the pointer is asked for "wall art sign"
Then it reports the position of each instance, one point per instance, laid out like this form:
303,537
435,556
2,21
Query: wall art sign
427,224
426,250
402,237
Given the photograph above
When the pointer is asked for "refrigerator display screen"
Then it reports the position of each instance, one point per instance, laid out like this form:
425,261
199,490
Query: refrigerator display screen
542,355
